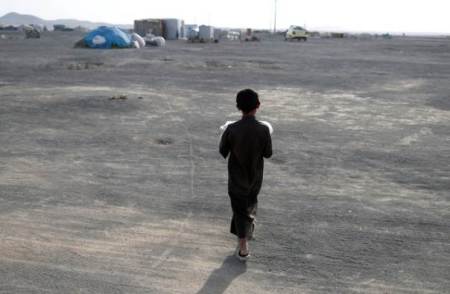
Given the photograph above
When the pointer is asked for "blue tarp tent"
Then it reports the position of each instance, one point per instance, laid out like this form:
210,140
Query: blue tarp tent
107,37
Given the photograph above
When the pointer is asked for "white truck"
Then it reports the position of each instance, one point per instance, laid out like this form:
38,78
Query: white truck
296,33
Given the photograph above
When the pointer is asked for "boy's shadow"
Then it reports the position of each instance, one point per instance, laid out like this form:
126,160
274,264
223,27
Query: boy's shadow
221,278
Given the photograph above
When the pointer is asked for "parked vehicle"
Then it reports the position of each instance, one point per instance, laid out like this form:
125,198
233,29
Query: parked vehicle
296,33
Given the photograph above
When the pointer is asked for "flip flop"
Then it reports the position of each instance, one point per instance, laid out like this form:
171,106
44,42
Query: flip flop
242,257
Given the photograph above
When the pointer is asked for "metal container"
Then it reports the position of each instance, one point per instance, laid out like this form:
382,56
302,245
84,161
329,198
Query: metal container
148,26
182,35
206,33
59,27
190,31
218,34
172,28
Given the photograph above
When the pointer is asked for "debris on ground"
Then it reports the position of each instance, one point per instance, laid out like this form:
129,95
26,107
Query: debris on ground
164,141
31,33
85,65
74,66
119,97
137,40
155,41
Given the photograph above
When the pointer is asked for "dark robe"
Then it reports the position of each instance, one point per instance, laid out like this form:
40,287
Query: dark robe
247,141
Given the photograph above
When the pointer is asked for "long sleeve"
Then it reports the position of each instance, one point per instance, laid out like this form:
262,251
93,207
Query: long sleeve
224,147
267,152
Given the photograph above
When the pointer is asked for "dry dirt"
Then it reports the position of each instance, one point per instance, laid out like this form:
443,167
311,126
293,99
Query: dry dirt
129,195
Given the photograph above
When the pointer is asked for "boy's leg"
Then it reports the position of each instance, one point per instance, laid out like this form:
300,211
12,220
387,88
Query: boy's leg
243,247
252,209
252,214
242,218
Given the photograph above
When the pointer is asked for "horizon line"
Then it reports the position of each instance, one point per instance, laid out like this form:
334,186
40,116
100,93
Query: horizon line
318,29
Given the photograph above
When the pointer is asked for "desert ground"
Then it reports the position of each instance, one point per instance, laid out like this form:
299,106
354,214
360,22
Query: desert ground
102,195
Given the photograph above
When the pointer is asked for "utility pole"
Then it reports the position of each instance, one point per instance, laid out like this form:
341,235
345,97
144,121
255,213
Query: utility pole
275,18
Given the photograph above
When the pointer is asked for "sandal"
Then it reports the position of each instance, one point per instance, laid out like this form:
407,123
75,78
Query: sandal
240,256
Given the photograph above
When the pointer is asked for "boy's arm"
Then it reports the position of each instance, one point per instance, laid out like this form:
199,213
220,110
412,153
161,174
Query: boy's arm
224,147
267,152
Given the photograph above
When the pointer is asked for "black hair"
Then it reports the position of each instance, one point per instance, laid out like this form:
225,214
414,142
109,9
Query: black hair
247,100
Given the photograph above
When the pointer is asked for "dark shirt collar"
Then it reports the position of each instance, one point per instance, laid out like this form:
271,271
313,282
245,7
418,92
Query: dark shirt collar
248,117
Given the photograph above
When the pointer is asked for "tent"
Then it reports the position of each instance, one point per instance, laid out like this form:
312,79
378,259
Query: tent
107,37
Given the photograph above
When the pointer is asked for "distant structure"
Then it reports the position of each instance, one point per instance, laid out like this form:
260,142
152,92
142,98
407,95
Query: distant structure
59,27
337,35
31,32
9,28
62,28
206,33
191,31
81,29
169,28
149,26
173,28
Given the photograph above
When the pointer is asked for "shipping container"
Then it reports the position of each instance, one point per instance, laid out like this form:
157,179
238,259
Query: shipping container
149,26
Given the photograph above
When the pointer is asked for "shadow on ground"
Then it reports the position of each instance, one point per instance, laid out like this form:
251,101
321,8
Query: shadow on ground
221,278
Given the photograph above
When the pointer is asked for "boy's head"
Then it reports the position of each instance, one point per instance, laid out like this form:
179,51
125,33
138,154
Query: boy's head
247,100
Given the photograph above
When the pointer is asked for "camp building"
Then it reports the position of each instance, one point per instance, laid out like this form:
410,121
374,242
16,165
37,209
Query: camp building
171,28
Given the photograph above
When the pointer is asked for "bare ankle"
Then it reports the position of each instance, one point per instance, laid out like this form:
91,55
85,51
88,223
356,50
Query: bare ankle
243,246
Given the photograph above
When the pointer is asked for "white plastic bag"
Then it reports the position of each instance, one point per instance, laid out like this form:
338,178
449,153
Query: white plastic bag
139,39
229,122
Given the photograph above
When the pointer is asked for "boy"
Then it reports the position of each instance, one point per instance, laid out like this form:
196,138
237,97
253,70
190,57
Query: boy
247,141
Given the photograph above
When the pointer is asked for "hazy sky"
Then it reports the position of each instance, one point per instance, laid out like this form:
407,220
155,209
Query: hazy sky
356,15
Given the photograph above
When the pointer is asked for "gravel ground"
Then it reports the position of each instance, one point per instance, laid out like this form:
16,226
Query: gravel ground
100,194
